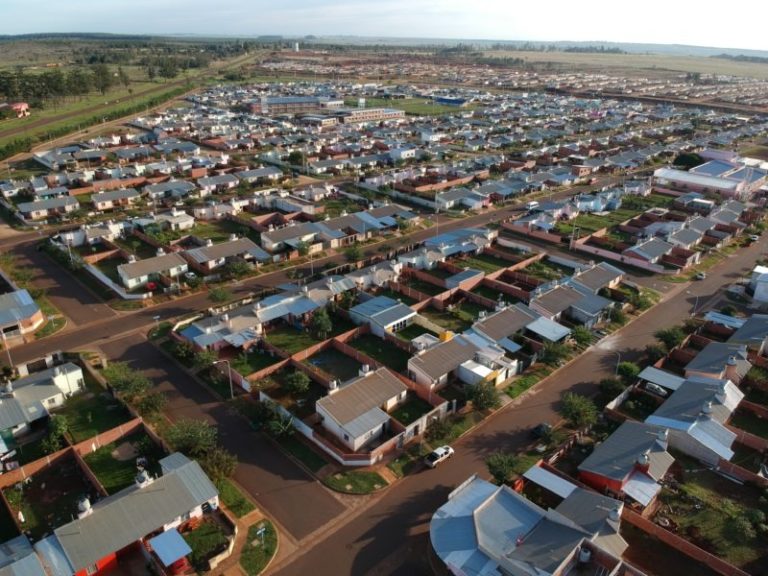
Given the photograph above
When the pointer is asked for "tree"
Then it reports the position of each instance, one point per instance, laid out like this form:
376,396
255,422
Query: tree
126,381
192,437
218,463
280,425
296,158
501,465
611,387
670,337
321,323
553,353
297,383
484,396
628,371
617,315
640,301
183,350
102,78
123,77
204,358
219,294
688,160
581,335
236,269
654,353
353,253
579,410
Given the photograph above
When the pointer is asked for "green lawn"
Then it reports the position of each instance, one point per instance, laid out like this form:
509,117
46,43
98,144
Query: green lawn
544,270
411,410
708,507
335,363
382,351
407,300
116,474
233,498
355,482
108,267
290,339
206,541
455,322
410,460
458,426
527,381
413,331
486,263
411,106
259,549
92,412
424,287
30,451
492,293
750,423
248,363
303,453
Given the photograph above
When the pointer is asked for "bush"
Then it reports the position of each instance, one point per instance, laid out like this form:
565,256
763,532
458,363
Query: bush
151,404
218,294
740,529
611,387
438,429
484,395
192,437
654,353
670,337
581,335
500,466
755,516
218,464
628,371
579,410
297,383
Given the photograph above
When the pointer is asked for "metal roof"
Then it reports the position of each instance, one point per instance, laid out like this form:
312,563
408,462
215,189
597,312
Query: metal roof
228,249
641,488
122,519
169,546
550,481
661,378
548,329
154,265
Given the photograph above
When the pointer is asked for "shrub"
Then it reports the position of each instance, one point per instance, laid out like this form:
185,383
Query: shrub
484,395
739,529
500,466
579,410
297,383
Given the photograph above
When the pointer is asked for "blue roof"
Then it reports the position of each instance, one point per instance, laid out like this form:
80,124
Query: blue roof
374,306
16,306
548,329
170,547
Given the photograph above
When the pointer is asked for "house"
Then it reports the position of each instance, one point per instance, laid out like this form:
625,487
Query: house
720,360
651,250
575,302
93,543
758,284
290,236
30,398
40,209
753,333
499,327
383,314
173,189
696,415
269,173
214,184
630,462
598,277
115,198
377,275
356,413
208,258
19,314
489,530
470,359
685,238
136,274
18,558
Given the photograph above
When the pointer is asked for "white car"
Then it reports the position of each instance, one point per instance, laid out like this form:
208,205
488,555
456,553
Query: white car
438,455
754,238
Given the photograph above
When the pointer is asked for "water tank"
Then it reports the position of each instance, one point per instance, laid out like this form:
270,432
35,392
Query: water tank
585,555
83,507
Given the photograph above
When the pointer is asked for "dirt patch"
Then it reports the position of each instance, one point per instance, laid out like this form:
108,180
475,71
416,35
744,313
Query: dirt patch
124,452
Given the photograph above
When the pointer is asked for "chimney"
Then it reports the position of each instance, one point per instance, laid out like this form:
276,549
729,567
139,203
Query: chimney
615,513
643,462
722,392
365,370
706,409
160,252
730,369
333,387
662,438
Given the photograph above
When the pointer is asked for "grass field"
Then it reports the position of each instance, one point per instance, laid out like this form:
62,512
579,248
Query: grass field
643,64
233,498
261,545
382,351
355,482
411,106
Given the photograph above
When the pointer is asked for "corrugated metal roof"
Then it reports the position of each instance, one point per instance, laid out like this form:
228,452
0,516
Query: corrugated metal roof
122,519
661,378
550,481
362,395
641,488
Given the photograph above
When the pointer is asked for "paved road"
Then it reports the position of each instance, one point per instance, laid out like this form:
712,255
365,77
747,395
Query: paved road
295,499
391,537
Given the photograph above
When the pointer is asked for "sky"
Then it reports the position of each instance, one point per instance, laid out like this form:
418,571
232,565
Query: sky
650,21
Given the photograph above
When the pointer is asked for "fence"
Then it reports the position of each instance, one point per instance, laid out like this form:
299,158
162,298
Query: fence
681,545
741,474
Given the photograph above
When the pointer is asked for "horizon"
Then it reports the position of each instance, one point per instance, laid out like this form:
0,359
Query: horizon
440,20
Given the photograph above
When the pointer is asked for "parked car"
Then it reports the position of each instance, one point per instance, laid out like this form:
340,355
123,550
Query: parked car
541,430
656,389
700,276
438,455
754,238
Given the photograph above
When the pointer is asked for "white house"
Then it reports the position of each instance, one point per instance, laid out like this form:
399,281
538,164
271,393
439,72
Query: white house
357,413
138,273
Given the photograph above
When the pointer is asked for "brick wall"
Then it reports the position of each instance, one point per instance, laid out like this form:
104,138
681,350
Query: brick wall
681,545
740,473
539,234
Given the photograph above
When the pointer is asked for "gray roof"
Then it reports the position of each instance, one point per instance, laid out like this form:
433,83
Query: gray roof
383,310
652,249
715,356
228,249
687,402
598,276
357,405
559,299
115,195
48,204
445,357
752,332
616,456
15,306
11,413
154,265
122,519
661,378
509,321
18,558
686,236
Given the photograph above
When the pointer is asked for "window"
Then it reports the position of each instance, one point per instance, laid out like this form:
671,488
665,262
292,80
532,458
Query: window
51,401
346,437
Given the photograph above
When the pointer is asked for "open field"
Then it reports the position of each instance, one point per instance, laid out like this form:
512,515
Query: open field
638,64
414,106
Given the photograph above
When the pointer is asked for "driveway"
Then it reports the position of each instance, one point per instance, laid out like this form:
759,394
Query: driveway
299,503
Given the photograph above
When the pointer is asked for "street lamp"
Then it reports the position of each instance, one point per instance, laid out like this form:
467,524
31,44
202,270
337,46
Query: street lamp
695,303
229,370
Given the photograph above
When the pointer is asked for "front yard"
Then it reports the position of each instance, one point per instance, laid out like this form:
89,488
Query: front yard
486,263
92,412
411,410
115,464
355,482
